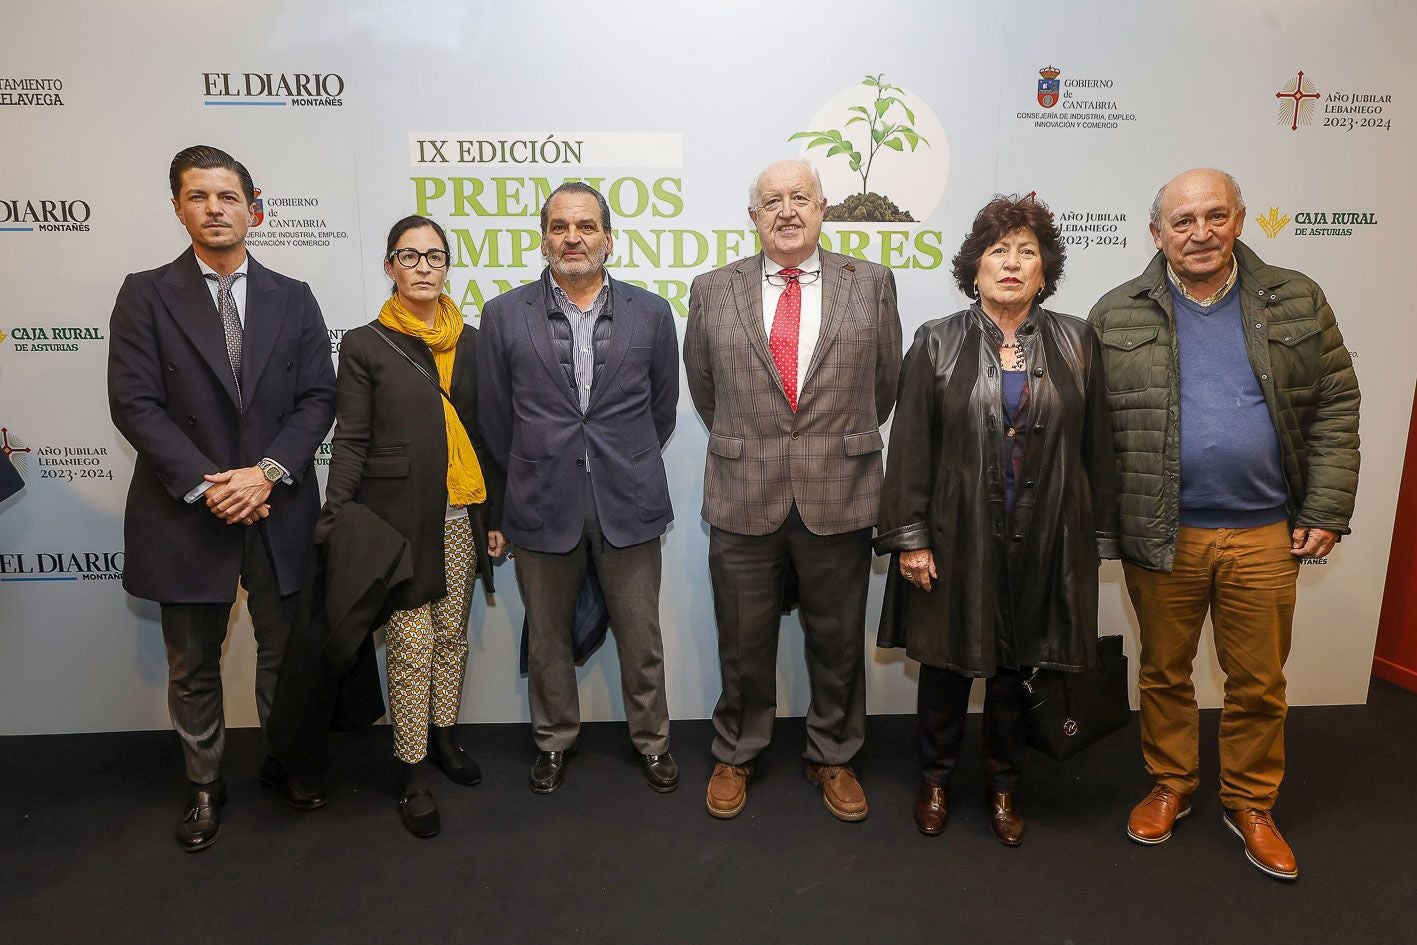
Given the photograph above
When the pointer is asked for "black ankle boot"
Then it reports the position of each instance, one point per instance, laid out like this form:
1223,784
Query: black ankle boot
419,813
456,764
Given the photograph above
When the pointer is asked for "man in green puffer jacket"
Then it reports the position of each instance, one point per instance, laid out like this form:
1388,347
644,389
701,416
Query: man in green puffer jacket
1235,412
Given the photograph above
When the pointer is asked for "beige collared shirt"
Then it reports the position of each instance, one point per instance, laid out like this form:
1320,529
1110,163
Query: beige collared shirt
1234,274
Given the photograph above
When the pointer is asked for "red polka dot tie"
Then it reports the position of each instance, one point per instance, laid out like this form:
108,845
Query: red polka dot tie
786,322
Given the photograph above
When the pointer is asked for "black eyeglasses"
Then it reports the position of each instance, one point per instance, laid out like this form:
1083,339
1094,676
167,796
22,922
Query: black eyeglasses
408,258
802,278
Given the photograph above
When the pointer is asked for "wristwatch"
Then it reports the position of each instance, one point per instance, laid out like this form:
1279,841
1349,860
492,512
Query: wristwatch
271,471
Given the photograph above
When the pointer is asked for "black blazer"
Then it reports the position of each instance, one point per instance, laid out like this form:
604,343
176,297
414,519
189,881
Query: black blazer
172,396
390,450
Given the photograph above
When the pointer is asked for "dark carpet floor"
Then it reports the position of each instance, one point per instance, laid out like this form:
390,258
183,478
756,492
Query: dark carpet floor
86,853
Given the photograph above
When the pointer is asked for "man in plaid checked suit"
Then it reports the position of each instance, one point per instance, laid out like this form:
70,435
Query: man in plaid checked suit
792,357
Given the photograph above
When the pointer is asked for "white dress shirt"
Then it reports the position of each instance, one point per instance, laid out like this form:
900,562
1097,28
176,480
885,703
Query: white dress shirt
238,288
809,325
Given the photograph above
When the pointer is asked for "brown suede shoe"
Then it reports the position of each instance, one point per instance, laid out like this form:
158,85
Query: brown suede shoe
931,809
841,792
1264,847
1005,818
1153,819
728,789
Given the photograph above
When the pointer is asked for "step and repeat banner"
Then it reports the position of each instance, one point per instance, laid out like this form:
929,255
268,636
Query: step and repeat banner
352,114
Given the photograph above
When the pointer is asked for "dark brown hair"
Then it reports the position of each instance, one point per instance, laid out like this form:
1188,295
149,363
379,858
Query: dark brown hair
1000,217
204,157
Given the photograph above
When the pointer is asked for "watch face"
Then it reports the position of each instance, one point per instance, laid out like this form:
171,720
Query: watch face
272,474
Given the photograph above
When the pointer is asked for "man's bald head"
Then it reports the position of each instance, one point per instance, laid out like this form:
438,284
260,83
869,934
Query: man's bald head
1196,175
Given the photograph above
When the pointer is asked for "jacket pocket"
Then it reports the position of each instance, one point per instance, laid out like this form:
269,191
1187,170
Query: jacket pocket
863,444
634,370
729,447
385,467
651,484
1127,357
523,495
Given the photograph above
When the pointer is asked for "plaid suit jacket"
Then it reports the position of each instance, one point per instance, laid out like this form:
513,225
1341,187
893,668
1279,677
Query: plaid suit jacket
761,456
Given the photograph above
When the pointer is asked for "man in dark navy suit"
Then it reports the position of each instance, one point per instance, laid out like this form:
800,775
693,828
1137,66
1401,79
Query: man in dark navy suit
219,376
578,383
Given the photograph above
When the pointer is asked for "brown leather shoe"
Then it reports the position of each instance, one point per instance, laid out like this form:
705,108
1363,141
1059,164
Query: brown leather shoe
931,809
1005,818
1153,819
841,792
728,789
1264,847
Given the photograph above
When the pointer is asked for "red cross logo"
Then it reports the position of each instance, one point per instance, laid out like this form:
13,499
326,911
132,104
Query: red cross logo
7,447
1299,90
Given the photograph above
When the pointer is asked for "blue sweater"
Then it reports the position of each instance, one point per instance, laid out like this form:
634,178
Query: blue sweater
1231,472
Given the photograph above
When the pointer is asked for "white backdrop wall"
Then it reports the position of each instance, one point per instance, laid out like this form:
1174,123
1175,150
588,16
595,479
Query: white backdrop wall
671,110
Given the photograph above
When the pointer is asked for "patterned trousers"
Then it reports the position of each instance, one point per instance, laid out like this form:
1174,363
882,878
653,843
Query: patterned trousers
427,651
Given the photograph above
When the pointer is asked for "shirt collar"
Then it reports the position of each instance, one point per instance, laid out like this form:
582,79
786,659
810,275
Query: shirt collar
812,263
560,296
242,269
1229,283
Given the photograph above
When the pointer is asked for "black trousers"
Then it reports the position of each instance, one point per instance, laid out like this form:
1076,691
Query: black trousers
748,573
942,705
194,634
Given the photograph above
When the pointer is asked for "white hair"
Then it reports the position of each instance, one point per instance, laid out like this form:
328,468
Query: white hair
1234,188
800,162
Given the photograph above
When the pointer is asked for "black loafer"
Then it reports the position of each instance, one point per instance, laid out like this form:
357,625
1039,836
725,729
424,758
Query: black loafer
549,769
297,792
661,772
454,762
420,814
201,822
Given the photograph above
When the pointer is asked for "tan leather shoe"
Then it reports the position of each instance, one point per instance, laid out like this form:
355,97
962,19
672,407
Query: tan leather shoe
728,789
931,809
841,792
1153,819
1005,818
1264,846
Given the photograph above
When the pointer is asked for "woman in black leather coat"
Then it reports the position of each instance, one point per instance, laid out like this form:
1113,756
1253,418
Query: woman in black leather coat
999,502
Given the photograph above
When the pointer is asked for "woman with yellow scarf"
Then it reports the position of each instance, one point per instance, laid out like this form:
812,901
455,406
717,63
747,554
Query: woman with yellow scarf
405,447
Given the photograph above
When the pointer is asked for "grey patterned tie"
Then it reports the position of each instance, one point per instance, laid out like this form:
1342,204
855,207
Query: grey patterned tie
226,308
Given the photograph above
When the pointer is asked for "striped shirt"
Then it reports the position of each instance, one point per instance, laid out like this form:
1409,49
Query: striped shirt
582,335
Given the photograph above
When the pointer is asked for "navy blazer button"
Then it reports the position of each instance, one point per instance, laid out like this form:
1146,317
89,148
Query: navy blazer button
290,365
191,421
580,460
1018,539
280,416
171,368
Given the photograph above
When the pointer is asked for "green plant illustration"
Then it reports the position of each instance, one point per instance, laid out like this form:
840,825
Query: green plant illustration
877,117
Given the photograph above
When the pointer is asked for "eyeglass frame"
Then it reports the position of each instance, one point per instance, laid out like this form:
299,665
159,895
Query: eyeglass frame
422,257
802,278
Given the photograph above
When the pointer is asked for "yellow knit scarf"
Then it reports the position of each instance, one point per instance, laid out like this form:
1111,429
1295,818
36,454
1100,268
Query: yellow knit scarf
465,483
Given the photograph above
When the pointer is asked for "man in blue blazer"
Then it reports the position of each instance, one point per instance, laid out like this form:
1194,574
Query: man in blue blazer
219,376
578,384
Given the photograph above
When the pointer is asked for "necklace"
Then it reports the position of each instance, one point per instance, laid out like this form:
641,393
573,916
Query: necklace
1015,352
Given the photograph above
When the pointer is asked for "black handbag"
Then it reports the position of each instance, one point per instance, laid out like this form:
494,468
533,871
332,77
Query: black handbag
1063,713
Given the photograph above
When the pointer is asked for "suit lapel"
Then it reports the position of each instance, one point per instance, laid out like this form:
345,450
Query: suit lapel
748,300
621,331
538,327
265,310
184,291
837,274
